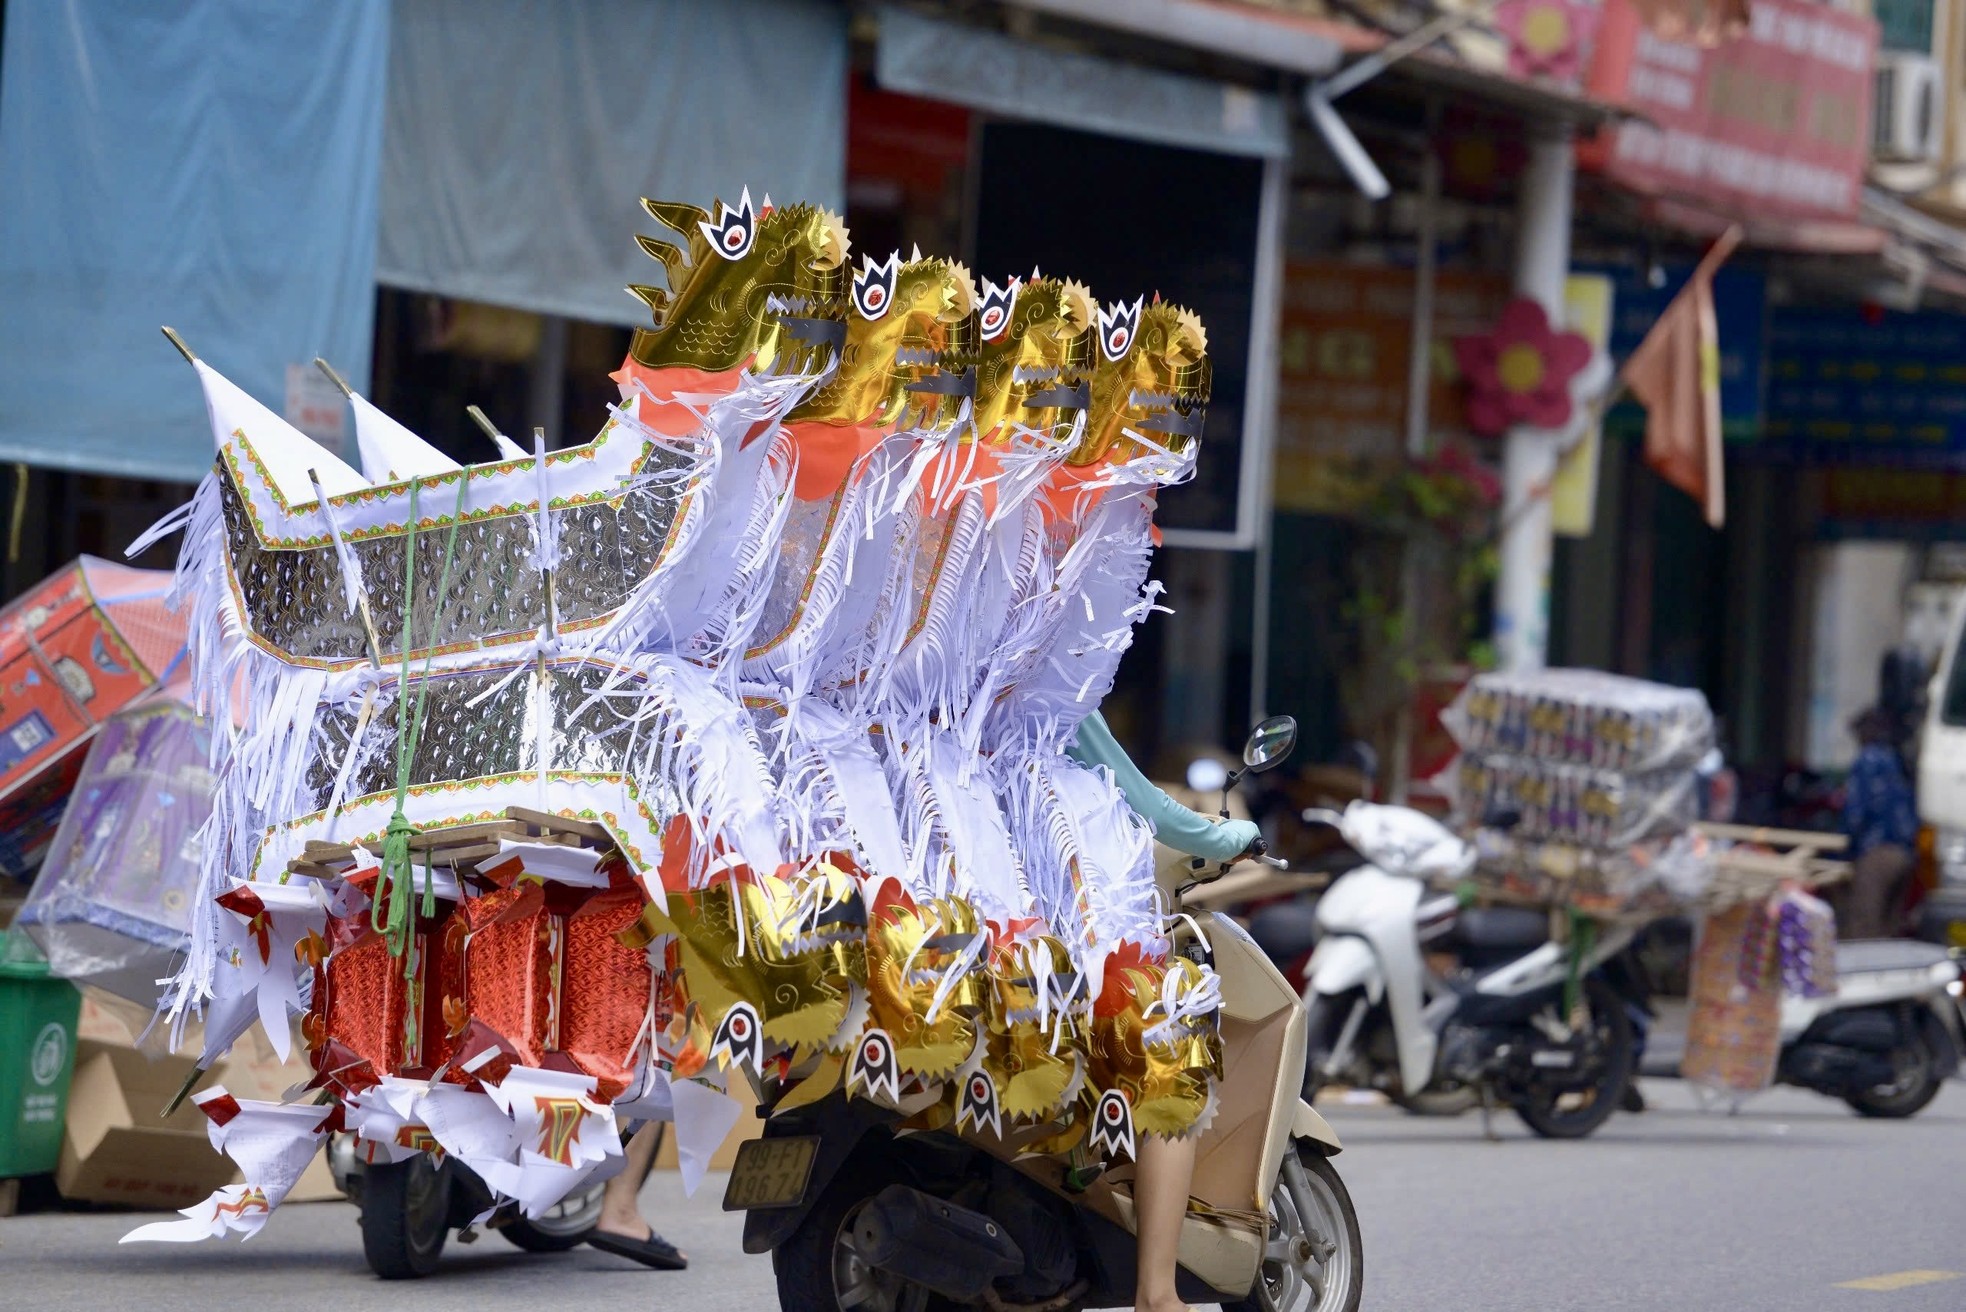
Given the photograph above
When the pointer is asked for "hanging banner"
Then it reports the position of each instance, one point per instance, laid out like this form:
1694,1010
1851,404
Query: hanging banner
1774,124
1587,302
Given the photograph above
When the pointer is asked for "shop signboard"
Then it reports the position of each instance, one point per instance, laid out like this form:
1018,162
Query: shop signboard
1866,386
1343,353
1774,124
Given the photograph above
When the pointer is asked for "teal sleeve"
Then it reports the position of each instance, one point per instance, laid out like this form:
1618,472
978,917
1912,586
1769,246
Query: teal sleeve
1173,824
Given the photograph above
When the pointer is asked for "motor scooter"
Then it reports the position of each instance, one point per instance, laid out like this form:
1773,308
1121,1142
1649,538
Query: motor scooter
861,1210
1889,1036
410,1208
1545,1025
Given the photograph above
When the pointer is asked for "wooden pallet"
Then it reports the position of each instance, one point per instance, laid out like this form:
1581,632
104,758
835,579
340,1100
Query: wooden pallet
1759,861
459,848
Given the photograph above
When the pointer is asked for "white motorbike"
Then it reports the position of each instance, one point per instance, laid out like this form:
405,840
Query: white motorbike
1890,1035
1543,1026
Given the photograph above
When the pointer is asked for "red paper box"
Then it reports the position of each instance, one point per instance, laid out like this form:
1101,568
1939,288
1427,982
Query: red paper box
606,988
512,962
75,649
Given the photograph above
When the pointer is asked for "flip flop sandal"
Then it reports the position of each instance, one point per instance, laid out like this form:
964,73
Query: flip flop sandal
655,1251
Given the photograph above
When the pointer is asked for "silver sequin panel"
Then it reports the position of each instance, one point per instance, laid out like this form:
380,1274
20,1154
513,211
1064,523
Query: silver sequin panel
498,736
294,599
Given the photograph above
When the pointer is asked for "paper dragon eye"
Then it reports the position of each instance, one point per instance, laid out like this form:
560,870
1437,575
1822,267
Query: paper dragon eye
735,229
873,286
993,316
1117,324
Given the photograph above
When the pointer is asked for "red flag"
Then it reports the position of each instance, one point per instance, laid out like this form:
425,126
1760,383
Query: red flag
1675,375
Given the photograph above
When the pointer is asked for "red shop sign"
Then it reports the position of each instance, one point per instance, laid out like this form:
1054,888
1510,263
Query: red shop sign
1773,124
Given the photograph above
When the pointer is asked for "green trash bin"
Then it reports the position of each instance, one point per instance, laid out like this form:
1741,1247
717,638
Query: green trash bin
37,1055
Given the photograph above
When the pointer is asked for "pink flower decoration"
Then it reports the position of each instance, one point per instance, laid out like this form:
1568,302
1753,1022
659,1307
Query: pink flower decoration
1547,38
1520,373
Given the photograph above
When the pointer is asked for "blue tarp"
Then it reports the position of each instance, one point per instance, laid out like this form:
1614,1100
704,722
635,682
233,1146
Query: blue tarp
213,165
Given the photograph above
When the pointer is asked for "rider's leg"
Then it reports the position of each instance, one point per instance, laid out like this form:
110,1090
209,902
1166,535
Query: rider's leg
1166,1169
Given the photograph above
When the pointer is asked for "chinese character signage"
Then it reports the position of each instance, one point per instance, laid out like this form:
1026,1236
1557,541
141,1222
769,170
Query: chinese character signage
1772,125
1347,337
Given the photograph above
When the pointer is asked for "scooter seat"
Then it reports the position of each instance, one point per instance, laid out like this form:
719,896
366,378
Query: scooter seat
1868,954
1501,927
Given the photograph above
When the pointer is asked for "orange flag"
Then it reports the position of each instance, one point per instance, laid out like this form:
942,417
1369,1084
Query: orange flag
1675,375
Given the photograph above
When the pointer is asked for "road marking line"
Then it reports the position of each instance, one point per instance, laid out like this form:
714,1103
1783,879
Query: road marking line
1901,1280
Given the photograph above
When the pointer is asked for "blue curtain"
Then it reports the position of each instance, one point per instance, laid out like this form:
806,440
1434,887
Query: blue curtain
210,164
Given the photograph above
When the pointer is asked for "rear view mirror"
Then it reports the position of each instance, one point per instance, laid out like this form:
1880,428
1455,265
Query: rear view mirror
1269,742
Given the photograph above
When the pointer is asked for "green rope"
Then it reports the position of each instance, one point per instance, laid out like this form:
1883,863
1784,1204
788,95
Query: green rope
1583,938
392,917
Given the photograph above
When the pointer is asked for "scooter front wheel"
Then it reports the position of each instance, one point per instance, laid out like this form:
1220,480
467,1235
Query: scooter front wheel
1313,1258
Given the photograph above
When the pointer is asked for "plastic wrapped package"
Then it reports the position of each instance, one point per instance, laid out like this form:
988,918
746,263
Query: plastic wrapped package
1589,807
112,905
1582,717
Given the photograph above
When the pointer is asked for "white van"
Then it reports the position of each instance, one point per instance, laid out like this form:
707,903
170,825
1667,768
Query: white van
1942,794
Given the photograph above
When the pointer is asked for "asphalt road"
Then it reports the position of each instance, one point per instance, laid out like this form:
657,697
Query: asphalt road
1771,1209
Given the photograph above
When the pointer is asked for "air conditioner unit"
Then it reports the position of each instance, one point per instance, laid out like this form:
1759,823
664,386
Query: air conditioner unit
1907,122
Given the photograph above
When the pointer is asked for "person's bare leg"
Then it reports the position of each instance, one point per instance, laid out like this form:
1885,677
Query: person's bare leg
1160,1199
620,1214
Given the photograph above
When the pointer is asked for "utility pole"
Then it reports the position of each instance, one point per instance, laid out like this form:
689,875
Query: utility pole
1542,264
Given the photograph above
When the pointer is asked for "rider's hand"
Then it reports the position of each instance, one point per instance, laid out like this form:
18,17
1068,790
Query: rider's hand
1243,833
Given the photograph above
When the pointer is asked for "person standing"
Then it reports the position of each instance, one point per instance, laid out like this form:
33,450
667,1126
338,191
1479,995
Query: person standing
1882,826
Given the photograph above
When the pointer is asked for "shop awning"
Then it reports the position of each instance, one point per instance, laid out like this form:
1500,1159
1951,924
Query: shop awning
521,137
986,70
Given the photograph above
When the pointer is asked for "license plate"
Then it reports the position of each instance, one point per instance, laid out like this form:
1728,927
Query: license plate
771,1173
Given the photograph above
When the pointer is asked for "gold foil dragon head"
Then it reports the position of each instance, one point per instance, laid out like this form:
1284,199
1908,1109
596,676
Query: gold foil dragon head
1143,1046
910,354
926,984
788,953
760,287
1033,1052
1036,355
1151,381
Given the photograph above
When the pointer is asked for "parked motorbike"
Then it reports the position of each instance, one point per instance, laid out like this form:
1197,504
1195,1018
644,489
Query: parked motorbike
1544,1026
409,1209
1888,1038
860,1211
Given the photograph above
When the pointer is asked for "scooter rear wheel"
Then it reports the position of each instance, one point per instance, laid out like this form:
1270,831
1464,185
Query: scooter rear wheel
1576,1113
1917,1083
817,1268
565,1225
405,1217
